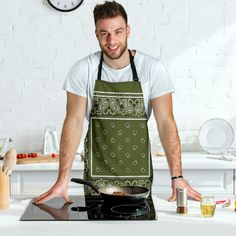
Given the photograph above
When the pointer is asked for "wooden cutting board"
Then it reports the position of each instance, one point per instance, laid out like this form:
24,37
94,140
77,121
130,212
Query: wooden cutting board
41,158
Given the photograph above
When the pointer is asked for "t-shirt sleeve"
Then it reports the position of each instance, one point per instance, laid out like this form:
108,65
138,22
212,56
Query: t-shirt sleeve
161,83
77,79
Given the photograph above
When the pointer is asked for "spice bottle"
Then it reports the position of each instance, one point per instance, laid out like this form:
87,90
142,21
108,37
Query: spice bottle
181,201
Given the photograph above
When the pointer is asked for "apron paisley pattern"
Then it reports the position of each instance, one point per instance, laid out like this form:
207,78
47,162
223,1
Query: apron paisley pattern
117,147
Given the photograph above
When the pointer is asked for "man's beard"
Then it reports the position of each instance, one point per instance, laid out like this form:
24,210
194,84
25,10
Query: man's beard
115,57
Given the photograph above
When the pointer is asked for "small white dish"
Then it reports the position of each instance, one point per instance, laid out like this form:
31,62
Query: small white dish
216,136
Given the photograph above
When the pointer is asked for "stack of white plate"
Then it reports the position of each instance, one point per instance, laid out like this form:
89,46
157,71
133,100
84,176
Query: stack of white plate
216,136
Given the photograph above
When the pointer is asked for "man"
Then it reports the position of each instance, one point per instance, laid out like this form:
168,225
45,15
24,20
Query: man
117,89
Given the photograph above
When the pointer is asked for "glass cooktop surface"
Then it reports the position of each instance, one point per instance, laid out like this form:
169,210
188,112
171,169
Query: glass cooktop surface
88,208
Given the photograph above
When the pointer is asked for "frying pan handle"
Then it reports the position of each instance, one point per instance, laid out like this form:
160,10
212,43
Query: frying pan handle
86,208
85,182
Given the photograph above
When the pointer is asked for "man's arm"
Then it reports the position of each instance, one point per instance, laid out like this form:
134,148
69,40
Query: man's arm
70,139
163,113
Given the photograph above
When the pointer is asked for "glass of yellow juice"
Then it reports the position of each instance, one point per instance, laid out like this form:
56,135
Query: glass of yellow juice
208,206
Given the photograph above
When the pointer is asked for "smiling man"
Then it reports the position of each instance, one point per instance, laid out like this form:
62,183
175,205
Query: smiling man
116,89
112,37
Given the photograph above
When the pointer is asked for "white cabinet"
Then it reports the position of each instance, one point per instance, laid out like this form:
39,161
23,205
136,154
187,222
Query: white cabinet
36,182
204,181
204,174
211,181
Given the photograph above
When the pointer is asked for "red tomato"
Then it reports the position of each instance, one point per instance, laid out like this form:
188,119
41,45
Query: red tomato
21,155
54,155
34,154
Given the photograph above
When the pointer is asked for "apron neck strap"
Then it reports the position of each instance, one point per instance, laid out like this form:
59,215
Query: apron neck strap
131,57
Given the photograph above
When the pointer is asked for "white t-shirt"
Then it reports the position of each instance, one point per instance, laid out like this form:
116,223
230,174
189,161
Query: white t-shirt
152,74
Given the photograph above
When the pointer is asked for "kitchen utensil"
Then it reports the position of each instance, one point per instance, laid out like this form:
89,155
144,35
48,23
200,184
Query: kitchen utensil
9,161
3,146
4,190
226,155
216,135
118,194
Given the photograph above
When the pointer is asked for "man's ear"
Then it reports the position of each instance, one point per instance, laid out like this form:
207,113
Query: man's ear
128,30
96,33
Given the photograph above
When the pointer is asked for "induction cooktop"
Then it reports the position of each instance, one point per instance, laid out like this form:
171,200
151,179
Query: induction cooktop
88,208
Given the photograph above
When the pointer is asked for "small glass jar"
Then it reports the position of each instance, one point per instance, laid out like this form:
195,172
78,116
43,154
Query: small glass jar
208,205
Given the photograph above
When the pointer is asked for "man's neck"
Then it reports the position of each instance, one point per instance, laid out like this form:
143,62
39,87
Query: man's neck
119,63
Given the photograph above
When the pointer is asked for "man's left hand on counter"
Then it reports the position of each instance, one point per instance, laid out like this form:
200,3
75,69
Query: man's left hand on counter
182,183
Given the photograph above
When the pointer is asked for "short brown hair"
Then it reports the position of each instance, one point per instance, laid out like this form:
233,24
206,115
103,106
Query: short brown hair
109,10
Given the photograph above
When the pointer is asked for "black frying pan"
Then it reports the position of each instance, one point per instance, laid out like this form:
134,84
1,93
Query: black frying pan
116,194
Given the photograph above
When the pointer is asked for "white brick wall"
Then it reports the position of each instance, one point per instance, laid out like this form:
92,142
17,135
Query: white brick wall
38,45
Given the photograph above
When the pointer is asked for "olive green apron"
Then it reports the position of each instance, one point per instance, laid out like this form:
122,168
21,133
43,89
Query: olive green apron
117,148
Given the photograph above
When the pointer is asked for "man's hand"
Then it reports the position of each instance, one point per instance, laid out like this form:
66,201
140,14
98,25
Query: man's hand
182,183
58,190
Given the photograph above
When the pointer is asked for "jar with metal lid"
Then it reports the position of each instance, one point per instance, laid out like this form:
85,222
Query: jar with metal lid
182,201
